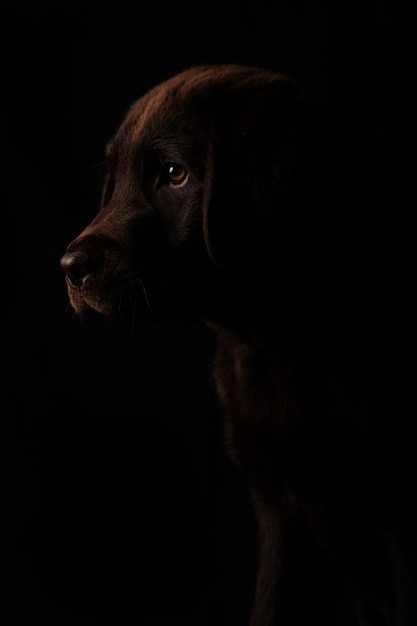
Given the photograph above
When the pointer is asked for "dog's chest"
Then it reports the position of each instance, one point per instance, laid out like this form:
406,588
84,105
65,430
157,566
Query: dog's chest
256,397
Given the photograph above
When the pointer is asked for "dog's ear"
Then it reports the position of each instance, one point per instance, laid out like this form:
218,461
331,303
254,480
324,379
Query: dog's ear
295,190
257,148
265,164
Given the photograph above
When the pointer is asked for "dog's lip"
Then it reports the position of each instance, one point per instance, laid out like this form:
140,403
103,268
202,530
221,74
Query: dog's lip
87,300
72,284
79,286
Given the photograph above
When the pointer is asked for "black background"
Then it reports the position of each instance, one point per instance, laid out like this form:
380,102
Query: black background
119,502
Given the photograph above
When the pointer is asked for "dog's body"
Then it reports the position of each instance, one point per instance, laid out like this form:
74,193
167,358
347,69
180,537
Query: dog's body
229,198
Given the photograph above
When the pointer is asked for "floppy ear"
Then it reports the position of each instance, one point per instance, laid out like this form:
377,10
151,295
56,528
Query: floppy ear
282,184
256,162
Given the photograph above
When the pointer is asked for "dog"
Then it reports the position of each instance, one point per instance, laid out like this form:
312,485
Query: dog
238,196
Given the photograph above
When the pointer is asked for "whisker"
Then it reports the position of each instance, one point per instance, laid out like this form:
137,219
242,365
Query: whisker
75,319
132,324
99,164
102,167
148,304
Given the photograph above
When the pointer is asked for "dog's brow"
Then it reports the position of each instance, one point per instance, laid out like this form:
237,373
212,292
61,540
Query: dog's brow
148,112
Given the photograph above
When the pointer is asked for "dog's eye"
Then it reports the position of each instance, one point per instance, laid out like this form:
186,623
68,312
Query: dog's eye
175,173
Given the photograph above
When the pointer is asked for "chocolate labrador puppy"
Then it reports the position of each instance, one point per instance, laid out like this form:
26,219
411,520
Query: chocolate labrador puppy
237,196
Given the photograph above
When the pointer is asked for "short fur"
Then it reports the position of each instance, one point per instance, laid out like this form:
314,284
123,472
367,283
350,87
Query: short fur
237,196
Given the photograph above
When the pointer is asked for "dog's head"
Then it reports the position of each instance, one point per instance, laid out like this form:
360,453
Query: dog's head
206,178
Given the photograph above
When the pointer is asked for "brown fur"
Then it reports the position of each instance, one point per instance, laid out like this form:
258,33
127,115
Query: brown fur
276,239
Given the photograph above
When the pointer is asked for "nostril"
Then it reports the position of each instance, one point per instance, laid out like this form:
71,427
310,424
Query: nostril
76,265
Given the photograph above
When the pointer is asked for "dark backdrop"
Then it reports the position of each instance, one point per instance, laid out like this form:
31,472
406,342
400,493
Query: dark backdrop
120,505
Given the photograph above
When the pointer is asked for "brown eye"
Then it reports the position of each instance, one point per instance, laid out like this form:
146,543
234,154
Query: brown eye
176,174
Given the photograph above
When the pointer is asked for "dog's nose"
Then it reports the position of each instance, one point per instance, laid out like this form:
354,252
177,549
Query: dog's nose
76,265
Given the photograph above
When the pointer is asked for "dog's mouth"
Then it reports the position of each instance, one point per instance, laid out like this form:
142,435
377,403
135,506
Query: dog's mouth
112,286
119,300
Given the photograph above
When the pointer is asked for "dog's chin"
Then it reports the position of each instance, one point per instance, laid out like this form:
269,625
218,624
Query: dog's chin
130,307
82,307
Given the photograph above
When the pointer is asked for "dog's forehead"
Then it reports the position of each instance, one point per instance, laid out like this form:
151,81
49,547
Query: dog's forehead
165,111
175,105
